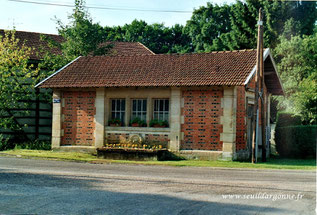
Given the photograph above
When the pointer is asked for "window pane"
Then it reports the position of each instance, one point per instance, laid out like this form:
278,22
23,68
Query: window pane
161,109
166,105
139,105
113,104
118,109
139,109
122,105
134,105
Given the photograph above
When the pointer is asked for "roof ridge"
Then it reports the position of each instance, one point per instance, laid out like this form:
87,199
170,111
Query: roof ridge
146,47
31,32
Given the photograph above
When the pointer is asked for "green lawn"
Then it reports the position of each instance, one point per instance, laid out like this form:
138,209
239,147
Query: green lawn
273,163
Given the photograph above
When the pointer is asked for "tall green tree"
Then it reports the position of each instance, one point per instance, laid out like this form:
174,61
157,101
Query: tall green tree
297,59
207,24
82,36
230,27
157,37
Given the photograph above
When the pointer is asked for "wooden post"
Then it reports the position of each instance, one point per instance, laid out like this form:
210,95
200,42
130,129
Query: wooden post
37,113
257,75
263,100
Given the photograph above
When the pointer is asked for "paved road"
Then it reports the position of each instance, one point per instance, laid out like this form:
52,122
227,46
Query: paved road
54,187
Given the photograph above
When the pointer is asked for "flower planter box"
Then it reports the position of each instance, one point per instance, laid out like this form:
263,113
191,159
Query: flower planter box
135,125
132,154
159,126
115,125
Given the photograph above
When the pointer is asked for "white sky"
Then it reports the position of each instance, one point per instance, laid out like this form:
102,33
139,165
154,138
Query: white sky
40,18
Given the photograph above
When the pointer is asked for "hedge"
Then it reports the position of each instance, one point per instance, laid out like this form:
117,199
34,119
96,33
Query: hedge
296,141
284,119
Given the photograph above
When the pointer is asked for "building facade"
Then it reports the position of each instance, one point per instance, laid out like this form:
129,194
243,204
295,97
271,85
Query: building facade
196,105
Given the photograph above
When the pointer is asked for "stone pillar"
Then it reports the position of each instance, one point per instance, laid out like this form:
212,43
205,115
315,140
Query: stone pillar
149,111
57,119
128,111
100,117
228,120
175,119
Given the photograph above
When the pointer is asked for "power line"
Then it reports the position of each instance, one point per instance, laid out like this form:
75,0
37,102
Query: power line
102,7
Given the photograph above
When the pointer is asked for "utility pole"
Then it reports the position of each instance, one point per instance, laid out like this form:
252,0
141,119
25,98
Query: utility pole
259,59
263,100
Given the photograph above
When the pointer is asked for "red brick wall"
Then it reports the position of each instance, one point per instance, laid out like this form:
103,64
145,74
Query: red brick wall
157,138
202,111
113,138
241,142
78,124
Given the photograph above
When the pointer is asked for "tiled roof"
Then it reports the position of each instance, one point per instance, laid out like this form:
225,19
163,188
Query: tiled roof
128,48
198,69
32,40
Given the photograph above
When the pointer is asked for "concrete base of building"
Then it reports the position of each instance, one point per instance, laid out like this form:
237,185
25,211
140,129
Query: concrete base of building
84,149
199,154
243,155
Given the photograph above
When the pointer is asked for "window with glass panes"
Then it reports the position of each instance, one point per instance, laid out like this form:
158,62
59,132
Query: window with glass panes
118,109
139,109
161,109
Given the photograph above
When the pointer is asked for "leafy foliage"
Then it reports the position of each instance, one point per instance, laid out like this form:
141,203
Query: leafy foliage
17,80
297,59
34,145
82,36
229,27
293,139
296,141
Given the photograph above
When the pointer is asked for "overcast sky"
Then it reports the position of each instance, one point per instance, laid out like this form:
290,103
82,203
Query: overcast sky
40,18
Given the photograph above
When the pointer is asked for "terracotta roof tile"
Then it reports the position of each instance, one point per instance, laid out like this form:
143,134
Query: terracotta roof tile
128,48
203,69
32,40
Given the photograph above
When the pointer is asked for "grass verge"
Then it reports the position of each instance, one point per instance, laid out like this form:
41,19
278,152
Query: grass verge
273,163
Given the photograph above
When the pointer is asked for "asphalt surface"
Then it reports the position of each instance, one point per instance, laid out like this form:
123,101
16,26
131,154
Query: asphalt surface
30,186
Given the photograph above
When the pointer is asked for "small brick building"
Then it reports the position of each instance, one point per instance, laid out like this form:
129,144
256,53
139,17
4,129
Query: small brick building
206,98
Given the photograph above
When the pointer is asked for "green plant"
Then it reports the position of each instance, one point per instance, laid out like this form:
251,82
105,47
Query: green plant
296,141
138,121
34,145
156,122
115,121
4,142
287,119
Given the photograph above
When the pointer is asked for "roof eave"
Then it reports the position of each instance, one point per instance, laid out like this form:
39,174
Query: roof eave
266,54
55,73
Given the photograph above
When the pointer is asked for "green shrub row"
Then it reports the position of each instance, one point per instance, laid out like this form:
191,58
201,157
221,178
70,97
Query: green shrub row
7,144
296,141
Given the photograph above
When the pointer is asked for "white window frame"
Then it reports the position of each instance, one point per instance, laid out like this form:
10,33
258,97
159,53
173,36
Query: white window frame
120,112
139,113
161,112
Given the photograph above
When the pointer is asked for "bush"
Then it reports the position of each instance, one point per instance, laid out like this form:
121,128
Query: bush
296,141
5,143
156,122
34,145
138,121
287,119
